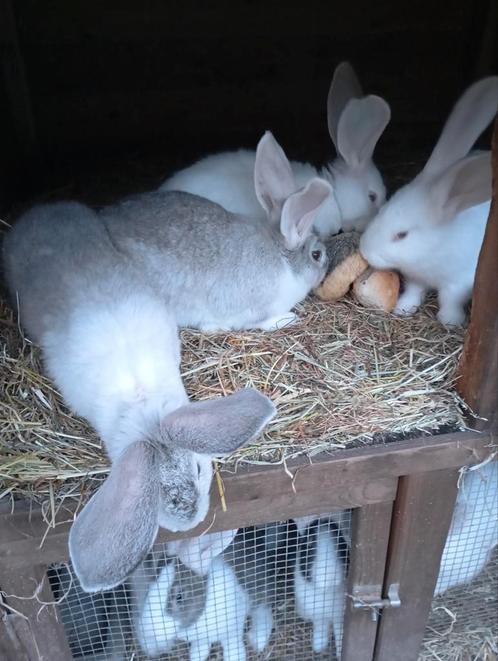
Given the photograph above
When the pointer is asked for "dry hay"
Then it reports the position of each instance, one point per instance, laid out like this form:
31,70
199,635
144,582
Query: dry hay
342,375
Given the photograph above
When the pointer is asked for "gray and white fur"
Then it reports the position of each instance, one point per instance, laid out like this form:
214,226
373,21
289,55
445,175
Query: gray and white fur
222,271
111,346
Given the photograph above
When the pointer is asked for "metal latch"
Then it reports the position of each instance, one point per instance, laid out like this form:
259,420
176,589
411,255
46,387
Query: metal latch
364,600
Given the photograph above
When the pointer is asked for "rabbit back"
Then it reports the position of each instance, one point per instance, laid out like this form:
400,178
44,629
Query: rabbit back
193,250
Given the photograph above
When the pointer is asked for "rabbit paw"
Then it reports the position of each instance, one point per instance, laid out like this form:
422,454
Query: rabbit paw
277,322
261,628
320,637
451,316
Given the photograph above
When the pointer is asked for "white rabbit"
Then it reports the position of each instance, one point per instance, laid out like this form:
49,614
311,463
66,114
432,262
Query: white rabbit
355,124
319,581
111,346
432,229
195,598
218,270
474,529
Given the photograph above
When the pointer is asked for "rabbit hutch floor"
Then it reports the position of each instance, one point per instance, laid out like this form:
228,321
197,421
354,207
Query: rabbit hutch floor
341,376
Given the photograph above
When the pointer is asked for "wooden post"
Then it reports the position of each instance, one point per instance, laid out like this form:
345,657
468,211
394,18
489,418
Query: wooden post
370,528
478,383
422,516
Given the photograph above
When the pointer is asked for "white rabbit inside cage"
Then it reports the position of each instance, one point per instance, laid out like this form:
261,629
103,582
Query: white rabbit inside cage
268,591
272,591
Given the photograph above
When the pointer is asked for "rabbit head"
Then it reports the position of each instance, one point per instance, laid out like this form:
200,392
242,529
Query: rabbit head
292,210
355,124
416,220
163,480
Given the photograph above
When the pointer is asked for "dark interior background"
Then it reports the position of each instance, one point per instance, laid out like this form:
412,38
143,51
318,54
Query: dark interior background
101,99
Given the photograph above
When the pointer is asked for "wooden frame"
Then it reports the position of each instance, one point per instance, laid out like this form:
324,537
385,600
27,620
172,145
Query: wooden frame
404,494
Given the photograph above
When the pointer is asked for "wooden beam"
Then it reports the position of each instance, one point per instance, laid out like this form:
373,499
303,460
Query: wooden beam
258,494
478,383
370,527
422,517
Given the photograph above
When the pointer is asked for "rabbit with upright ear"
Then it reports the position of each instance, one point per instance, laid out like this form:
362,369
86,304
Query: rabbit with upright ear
432,229
474,529
111,347
319,580
196,598
218,270
355,124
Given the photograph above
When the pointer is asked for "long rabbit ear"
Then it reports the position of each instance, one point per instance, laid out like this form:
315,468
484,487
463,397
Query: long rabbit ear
464,185
218,426
299,212
360,126
472,113
344,86
273,178
116,529
198,553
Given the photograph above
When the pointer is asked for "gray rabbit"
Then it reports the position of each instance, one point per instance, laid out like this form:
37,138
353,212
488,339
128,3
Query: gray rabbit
111,346
219,270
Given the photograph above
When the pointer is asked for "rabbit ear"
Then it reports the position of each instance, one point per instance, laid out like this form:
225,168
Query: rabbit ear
198,553
300,210
464,185
116,529
218,426
344,86
472,113
273,178
360,127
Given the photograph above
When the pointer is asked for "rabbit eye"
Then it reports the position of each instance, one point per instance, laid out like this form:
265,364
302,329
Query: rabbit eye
178,597
175,501
317,255
198,470
372,196
400,235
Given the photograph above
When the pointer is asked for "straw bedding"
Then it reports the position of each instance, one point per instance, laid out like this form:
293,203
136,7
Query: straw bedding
341,376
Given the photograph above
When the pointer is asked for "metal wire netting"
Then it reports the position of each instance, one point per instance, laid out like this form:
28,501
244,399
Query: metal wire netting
277,591
463,624
274,591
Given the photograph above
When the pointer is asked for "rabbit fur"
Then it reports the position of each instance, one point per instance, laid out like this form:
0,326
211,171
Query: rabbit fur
195,598
432,229
355,124
111,346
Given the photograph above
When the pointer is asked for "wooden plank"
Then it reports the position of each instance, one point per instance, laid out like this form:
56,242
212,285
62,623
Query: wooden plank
370,527
478,383
422,516
257,494
41,635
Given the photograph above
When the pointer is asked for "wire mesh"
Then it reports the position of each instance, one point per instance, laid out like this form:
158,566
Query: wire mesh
463,624
274,591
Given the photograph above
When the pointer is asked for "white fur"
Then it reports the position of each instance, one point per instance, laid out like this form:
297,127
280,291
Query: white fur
222,621
440,256
432,229
355,124
321,600
120,366
228,179
474,529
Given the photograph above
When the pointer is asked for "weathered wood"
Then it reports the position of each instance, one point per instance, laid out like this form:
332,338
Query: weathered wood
422,516
41,635
478,384
257,494
370,527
